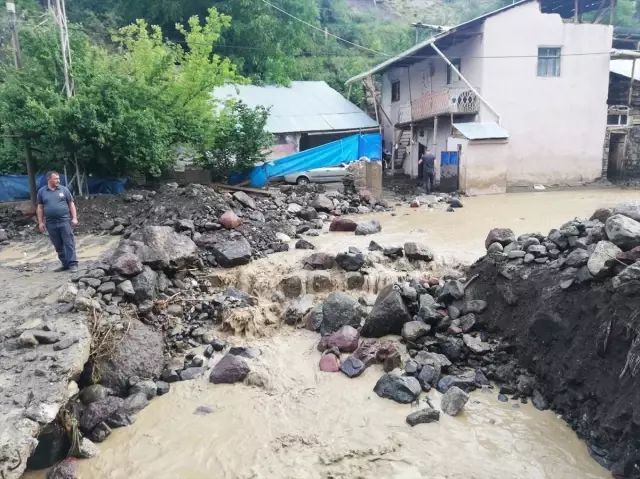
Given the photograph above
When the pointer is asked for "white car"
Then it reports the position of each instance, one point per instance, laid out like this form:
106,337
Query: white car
333,174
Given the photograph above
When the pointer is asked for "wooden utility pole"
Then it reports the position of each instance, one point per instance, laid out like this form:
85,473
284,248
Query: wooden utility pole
15,40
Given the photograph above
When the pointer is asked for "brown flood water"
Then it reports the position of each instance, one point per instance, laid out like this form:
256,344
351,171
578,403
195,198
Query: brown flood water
309,424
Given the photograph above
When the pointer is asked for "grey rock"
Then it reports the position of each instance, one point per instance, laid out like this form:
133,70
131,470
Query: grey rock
101,432
352,367
319,261
603,259
121,419
537,250
495,248
135,403
68,293
414,330
475,344
27,340
453,401
162,388
452,348
388,315
45,337
291,286
322,203
233,253
538,400
411,367
140,353
504,236
313,319
631,273
125,289
355,281
96,392
402,389
298,309
630,209
577,258
622,231
529,258
429,376
304,244
190,374
245,199
66,343
99,411
67,469
245,351
107,288
87,449
339,310
148,388
144,285
418,251
516,254
166,249
425,416
230,369
475,306
451,291
526,384
440,361
350,262
368,228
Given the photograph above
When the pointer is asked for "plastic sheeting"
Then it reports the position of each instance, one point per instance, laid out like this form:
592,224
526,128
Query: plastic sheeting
16,187
346,150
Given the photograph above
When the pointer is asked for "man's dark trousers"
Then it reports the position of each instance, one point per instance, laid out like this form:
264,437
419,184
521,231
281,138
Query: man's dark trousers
428,179
61,235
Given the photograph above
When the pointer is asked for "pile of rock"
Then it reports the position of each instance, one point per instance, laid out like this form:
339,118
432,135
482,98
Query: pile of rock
583,250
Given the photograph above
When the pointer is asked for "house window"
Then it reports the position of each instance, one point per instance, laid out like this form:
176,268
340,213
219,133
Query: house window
452,76
395,91
549,62
617,120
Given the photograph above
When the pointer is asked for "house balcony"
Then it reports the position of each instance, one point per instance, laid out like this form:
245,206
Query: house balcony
455,100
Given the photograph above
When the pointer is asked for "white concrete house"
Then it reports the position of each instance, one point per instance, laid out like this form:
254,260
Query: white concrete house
534,78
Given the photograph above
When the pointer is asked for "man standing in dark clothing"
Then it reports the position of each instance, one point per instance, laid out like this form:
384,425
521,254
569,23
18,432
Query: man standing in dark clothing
428,162
57,215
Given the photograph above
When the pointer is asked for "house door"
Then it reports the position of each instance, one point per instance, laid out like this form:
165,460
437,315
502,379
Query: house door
421,149
449,170
616,156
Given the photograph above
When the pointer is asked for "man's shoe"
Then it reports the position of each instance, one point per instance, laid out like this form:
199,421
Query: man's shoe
73,269
60,269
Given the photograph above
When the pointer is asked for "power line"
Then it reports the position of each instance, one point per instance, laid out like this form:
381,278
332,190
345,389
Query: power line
324,31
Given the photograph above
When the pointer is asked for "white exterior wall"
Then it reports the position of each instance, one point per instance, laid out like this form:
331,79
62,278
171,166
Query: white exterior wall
556,124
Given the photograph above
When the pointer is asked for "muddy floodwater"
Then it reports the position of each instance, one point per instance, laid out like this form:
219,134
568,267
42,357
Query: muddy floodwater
309,424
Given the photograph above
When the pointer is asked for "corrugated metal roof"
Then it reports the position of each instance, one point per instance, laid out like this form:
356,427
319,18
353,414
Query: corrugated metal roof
482,131
624,67
303,107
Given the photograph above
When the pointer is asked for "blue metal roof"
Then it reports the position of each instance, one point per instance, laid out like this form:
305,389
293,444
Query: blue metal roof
482,131
305,106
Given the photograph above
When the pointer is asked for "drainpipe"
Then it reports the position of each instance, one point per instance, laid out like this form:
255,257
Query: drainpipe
476,92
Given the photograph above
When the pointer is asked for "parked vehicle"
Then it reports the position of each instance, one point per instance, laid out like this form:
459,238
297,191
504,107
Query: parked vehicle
333,174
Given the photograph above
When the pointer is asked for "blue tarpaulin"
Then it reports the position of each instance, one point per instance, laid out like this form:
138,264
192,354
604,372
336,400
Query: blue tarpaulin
16,187
335,153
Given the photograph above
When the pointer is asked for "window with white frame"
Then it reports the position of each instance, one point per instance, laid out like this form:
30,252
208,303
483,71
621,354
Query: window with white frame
452,76
549,61
617,120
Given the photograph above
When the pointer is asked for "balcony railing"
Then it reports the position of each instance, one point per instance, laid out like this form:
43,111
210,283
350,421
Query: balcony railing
447,101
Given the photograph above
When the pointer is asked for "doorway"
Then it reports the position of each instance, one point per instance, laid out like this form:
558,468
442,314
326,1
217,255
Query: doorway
421,149
616,156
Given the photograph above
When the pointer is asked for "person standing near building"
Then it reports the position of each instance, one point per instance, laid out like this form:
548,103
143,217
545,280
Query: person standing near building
428,162
57,215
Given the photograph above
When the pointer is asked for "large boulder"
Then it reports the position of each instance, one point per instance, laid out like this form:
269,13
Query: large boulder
453,401
623,231
631,273
126,263
342,224
144,285
629,209
319,261
339,310
368,228
603,259
388,315
166,249
140,353
504,236
230,369
418,251
322,203
233,253
402,389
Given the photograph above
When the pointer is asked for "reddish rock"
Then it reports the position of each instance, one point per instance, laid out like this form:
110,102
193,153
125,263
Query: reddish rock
230,220
415,203
630,257
389,356
230,369
365,195
366,352
343,224
345,339
329,363
67,469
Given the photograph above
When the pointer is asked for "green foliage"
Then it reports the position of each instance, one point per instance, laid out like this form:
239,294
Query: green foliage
240,140
131,106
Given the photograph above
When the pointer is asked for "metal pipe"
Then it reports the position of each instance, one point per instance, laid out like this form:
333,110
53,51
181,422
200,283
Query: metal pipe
476,92
633,75
337,132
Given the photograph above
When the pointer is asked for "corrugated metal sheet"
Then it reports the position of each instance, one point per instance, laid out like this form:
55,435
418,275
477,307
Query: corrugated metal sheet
481,131
624,67
302,107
